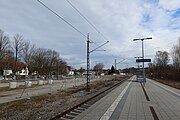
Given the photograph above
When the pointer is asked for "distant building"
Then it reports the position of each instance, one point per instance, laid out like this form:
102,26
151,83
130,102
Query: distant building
71,73
102,74
23,72
7,72
90,73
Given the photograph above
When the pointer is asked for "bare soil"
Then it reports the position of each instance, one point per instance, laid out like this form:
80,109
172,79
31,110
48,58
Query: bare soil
172,83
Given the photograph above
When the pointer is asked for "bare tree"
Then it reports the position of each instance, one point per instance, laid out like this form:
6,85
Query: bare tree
18,46
4,44
45,61
51,59
39,60
161,64
28,52
176,55
62,66
98,67
161,58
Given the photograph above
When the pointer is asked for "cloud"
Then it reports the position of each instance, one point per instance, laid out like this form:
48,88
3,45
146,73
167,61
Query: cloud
169,4
119,20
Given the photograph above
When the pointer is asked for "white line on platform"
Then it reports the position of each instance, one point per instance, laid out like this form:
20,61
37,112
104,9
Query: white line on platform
111,109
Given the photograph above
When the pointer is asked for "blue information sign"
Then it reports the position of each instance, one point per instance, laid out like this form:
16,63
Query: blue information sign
143,60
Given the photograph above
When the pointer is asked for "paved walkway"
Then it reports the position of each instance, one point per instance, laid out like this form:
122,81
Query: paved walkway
130,101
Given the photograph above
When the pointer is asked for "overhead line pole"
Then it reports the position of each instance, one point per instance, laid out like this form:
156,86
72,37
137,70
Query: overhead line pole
88,61
116,65
115,69
88,65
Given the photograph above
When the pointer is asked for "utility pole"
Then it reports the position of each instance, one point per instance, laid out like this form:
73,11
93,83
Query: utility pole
116,65
115,69
88,65
88,61
58,70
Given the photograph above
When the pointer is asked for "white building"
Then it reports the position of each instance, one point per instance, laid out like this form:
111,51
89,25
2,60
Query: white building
71,73
7,72
24,71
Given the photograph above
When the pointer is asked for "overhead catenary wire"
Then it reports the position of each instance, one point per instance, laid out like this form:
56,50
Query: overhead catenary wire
83,63
86,19
68,23
61,18
83,16
106,51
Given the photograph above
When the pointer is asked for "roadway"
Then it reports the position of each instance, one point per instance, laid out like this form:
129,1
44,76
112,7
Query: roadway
131,101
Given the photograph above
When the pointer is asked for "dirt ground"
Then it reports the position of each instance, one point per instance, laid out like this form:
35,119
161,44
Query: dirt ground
172,83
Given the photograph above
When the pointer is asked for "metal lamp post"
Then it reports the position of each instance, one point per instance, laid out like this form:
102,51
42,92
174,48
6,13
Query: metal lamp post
142,39
88,60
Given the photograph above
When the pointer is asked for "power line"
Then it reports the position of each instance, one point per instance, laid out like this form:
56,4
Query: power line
61,18
71,24
83,63
105,51
86,19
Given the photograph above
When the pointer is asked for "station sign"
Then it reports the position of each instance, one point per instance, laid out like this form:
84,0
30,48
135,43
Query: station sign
143,60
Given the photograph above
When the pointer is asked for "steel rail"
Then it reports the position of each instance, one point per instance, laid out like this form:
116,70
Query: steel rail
88,100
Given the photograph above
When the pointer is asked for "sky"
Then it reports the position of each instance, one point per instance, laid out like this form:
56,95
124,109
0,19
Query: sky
116,21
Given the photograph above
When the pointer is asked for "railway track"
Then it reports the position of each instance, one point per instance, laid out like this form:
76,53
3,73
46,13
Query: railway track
79,108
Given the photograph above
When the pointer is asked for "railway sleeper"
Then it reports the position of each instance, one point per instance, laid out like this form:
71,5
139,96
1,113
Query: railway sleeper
85,106
73,113
77,111
62,118
68,116
80,108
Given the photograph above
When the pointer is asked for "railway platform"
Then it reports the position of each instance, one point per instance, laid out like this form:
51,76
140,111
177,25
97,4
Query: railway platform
132,101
